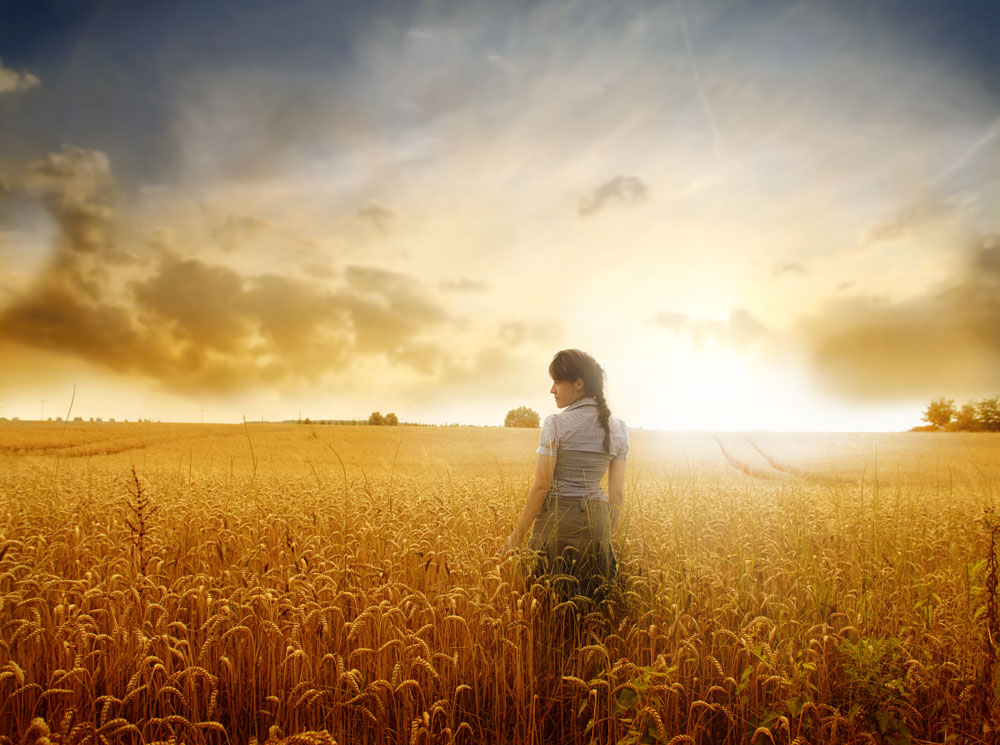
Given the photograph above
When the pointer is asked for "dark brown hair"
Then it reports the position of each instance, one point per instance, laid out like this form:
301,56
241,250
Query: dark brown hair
570,364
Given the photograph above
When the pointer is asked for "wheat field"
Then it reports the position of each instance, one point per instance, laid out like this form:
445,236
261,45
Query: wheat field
318,584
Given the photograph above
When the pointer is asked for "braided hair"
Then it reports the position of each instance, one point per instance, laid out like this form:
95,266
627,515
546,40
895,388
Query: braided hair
570,364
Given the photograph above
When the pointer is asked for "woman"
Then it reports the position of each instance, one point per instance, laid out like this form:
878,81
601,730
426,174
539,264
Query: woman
573,519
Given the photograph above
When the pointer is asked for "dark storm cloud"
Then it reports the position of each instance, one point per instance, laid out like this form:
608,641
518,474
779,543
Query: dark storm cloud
944,342
627,190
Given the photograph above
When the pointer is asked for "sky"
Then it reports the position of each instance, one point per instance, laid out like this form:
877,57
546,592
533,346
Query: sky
755,215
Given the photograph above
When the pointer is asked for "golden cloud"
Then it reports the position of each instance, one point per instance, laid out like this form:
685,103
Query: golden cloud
943,342
191,324
12,81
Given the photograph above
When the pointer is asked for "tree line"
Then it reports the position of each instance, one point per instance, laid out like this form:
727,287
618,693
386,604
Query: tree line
981,415
376,418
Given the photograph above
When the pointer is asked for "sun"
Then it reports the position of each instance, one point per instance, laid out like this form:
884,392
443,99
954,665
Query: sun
677,383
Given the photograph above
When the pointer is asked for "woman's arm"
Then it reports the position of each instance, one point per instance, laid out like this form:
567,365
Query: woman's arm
616,491
536,496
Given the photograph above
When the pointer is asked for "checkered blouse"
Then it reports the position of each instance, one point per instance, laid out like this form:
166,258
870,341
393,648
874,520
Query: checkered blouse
576,438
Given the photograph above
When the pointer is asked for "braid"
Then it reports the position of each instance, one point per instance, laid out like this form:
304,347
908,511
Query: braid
603,415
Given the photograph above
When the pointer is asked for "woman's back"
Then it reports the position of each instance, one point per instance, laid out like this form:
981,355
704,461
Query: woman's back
576,438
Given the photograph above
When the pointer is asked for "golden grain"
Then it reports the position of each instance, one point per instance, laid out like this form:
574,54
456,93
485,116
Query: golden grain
740,597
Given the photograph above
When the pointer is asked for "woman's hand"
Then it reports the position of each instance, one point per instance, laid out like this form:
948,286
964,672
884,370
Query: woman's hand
511,544
616,491
536,496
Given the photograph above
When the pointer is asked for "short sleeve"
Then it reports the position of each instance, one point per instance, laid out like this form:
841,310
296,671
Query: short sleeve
623,446
547,439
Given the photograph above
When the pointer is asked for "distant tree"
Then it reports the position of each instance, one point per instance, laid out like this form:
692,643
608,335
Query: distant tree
376,418
988,413
522,416
391,419
966,418
939,412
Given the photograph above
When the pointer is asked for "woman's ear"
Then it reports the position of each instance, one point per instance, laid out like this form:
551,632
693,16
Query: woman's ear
579,385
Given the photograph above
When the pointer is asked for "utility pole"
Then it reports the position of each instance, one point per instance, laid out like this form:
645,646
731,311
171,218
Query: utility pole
41,408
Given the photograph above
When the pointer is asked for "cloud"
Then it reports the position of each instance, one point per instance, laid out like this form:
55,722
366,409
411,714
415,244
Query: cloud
12,81
943,342
195,325
793,268
669,320
627,190
918,214
516,333
463,284
192,327
201,304
234,232
377,215
511,349
57,317
742,328
495,370
319,269
73,184
386,311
